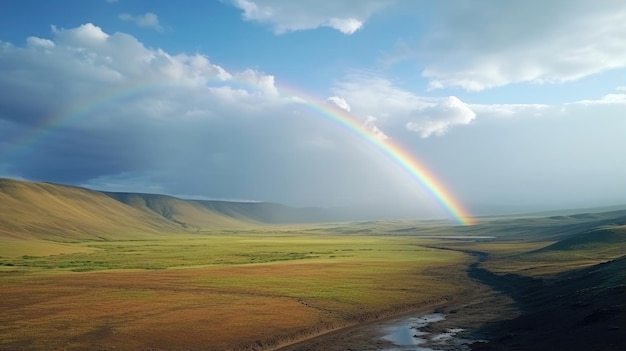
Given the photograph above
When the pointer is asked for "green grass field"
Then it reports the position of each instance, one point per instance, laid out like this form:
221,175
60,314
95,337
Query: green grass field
253,289
240,289
184,250
81,270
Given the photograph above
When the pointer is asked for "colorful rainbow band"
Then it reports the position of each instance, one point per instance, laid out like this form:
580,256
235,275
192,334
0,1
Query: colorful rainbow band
416,170
393,151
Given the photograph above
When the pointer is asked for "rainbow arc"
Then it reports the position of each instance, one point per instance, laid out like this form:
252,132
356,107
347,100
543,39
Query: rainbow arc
416,169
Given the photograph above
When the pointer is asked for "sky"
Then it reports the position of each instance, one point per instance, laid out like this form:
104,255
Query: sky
510,105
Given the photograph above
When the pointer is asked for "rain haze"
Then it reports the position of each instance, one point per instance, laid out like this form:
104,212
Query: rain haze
511,105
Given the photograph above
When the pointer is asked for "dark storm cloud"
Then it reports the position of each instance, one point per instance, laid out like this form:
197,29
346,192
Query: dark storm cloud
101,110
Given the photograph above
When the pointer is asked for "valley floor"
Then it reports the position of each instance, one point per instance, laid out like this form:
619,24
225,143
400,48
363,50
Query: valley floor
469,311
577,310
542,284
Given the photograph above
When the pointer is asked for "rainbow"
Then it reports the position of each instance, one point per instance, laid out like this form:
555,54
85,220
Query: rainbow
393,151
401,157
75,111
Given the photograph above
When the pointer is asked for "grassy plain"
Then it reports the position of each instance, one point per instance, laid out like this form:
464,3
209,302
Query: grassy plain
216,291
81,269
545,259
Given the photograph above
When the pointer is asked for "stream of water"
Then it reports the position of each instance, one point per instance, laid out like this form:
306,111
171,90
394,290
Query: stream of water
408,335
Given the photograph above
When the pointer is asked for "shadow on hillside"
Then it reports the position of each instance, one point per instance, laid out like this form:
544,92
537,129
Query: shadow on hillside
583,309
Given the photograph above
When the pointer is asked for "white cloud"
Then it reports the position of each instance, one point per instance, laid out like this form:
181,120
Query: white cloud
286,16
621,88
370,123
609,99
439,117
395,107
264,83
83,62
609,104
509,110
128,116
345,25
87,33
495,43
341,103
547,156
43,43
532,153
147,20
131,117
120,58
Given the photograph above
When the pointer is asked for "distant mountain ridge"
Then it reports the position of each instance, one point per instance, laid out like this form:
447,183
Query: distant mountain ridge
228,213
32,210
62,212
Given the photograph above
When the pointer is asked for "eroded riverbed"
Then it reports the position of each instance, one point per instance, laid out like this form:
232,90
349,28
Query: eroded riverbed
417,334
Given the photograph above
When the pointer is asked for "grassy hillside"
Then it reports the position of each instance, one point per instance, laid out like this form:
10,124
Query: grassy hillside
568,293
590,247
69,254
580,309
54,212
610,238
552,228
201,214
42,219
57,212
62,213
272,213
188,214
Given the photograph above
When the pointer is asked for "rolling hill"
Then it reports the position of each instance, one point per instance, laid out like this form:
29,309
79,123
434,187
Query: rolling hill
608,238
184,213
580,309
61,213
205,213
30,210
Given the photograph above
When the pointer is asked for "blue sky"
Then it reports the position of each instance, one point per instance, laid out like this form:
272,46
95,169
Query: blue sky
515,106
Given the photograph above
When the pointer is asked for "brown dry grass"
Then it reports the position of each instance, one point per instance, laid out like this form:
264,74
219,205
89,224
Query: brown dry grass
138,310
222,307
10,248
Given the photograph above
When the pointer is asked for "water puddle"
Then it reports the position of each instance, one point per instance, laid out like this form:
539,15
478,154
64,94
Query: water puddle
408,335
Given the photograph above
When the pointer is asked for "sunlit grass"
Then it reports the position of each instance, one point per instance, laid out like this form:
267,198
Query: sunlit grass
187,251
242,289
217,290
13,248
546,258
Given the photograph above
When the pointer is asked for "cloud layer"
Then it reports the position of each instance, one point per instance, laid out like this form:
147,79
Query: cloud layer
478,46
147,20
392,108
286,16
98,109
85,106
